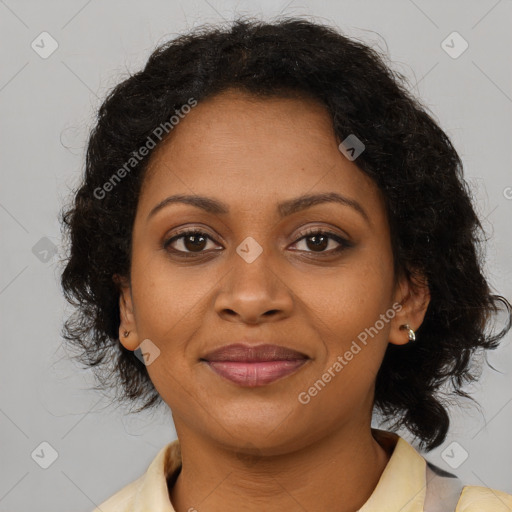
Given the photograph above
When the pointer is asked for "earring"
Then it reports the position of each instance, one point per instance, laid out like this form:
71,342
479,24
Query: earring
126,333
412,335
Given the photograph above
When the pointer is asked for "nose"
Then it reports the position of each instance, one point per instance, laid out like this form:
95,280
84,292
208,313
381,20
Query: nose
254,292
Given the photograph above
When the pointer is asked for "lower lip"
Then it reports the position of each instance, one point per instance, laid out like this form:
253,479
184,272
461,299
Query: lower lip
255,374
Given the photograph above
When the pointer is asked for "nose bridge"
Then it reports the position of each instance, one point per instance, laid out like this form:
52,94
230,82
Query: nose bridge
253,286
253,263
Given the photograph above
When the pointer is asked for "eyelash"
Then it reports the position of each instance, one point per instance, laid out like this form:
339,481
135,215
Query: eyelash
344,244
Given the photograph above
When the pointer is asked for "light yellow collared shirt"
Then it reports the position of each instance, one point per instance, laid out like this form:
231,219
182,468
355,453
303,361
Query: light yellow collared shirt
401,488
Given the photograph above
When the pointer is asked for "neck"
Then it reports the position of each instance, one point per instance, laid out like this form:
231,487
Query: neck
339,472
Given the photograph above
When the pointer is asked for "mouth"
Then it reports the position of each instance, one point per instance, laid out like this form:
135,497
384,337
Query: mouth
253,366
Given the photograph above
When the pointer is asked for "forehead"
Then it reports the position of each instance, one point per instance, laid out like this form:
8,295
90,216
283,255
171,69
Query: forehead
247,151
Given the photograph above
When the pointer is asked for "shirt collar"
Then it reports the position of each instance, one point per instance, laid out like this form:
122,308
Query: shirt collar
153,493
400,487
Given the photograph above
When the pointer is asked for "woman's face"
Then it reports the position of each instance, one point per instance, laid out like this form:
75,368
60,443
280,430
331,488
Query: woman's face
254,277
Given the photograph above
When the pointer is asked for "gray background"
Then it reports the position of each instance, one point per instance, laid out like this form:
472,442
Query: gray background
48,106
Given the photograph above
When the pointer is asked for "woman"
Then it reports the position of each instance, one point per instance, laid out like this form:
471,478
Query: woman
274,239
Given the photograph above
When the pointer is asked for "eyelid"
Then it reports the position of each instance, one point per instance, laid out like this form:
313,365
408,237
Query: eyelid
190,229
325,230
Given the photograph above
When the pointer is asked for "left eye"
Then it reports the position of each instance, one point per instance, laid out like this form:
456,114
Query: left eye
320,241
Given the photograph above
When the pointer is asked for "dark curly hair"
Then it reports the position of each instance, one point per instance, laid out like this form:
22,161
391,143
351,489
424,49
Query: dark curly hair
435,232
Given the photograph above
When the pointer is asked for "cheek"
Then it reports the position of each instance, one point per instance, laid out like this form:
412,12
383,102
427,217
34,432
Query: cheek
348,306
353,296
167,297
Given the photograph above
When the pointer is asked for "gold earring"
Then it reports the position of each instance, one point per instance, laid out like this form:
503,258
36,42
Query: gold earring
411,333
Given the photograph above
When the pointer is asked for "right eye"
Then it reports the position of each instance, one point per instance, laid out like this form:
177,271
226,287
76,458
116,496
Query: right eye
190,241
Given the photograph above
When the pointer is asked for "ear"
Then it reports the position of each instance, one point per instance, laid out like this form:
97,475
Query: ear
413,295
127,325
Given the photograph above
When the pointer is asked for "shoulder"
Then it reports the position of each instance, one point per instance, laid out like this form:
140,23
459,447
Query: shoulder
150,490
483,499
122,500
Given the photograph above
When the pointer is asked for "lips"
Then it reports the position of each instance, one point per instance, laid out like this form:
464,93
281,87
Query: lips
247,353
252,366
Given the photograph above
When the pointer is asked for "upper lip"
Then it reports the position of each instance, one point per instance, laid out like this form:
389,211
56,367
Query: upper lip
241,352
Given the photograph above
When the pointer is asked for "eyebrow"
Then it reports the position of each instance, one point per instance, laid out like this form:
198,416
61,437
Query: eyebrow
284,208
